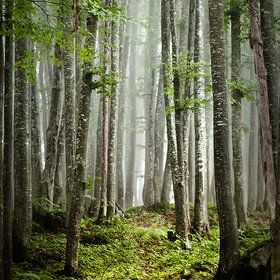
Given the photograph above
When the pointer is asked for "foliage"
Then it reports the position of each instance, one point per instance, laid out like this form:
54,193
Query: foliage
233,6
245,89
136,248
48,215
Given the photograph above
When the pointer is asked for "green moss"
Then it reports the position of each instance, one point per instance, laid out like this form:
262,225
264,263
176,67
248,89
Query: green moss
135,248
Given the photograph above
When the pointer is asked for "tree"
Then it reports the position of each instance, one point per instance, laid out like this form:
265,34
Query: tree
70,108
131,100
229,251
22,168
182,222
266,136
114,118
1,139
8,143
235,18
73,234
200,203
47,180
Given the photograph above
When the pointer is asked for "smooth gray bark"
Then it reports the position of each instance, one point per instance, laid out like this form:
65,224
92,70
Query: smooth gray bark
114,119
229,251
22,225
73,234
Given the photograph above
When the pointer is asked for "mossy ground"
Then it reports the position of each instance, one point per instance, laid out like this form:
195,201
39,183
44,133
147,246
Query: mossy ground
135,247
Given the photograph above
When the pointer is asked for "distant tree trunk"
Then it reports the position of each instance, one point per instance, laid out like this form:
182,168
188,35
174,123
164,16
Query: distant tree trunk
235,15
23,191
8,144
200,222
123,58
261,204
167,182
58,178
73,234
149,103
229,251
47,180
159,142
2,62
182,222
148,190
36,160
114,119
254,159
131,100
70,125
266,121
95,205
105,93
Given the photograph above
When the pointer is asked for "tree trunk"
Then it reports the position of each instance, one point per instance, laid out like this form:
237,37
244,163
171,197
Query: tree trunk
167,182
47,181
148,190
23,192
229,251
182,219
58,178
235,15
131,100
8,144
2,62
159,142
200,222
95,205
70,125
123,58
267,136
254,159
36,159
114,119
73,234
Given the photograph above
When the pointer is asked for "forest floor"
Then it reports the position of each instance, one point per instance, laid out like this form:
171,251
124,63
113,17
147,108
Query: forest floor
136,247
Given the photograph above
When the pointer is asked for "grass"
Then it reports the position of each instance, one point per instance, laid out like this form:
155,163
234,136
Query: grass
135,247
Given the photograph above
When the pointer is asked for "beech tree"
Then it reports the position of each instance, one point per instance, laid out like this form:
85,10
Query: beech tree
229,251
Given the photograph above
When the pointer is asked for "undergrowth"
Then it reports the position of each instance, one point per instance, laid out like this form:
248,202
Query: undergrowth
135,247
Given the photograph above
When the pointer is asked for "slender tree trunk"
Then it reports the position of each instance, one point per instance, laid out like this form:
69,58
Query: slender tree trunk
105,104
148,190
73,234
167,182
182,219
52,133
58,178
70,125
229,251
114,119
131,100
36,160
200,211
23,191
123,58
236,116
254,159
8,144
95,206
159,142
2,62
